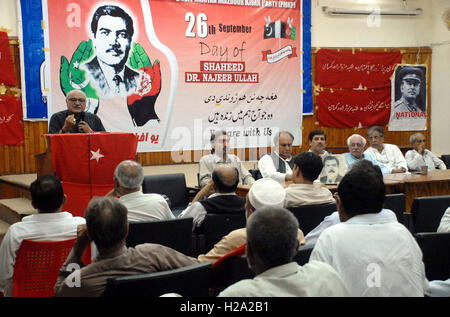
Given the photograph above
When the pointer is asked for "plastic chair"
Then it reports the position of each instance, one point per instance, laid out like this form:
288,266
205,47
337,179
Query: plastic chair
37,266
190,281
310,216
427,212
173,233
436,254
171,185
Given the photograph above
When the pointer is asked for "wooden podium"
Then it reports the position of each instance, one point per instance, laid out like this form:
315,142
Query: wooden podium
44,163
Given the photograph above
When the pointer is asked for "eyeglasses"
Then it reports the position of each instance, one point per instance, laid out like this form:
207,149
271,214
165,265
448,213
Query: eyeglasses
356,144
80,100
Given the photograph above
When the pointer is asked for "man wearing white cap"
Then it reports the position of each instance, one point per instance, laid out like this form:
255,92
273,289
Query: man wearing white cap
265,192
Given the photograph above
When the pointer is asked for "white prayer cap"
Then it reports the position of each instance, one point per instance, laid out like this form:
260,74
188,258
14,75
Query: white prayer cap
266,192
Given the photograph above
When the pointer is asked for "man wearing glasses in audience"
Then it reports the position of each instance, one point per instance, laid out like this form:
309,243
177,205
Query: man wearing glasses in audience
356,144
75,119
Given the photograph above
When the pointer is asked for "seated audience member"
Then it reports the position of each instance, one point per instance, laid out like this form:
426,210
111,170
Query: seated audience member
219,196
317,141
444,226
271,246
373,255
278,163
356,144
387,154
75,119
264,192
219,156
107,226
128,178
49,224
307,167
331,167
420,156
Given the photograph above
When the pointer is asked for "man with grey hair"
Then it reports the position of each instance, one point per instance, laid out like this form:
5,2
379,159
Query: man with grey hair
107,226
278,164
271,246
128,178
220,143
356,144
387,154
420,156
218,196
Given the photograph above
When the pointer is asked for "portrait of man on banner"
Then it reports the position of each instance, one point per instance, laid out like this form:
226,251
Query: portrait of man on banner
409,98
110,64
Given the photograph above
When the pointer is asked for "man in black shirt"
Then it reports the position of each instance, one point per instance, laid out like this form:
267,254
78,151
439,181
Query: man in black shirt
75,119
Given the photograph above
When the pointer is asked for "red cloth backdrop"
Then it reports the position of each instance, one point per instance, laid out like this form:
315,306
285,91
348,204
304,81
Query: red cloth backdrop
7,75
353,88
11,120
85,164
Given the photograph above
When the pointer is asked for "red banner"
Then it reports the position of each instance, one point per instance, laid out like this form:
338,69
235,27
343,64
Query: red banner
355,69
85,164
353,108
11,123
7,75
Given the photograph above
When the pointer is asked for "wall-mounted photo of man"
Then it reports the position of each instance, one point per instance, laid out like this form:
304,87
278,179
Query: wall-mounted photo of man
410,89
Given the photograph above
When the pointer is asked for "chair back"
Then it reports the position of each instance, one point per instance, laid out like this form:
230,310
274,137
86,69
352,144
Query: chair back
310,216
396,203
435,247
256,174
231,270
37,266
171,185
427,212
190,281
216,226
303,254
446,160
173,233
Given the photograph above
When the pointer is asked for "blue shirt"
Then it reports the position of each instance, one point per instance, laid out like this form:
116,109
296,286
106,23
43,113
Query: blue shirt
350,160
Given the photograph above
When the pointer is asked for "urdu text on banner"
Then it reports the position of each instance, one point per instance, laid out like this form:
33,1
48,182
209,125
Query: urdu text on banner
173,71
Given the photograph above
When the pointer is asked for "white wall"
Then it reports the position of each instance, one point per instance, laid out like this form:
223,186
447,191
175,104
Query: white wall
426,30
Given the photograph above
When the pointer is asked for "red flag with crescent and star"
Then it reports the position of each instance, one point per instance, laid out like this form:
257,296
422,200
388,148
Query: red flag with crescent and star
85,164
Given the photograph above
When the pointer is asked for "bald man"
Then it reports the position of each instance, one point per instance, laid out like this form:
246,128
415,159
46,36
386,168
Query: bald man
420,156
128,178
218,196
75,119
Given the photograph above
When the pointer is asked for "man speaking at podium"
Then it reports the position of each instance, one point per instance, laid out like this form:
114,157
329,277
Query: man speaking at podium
75,119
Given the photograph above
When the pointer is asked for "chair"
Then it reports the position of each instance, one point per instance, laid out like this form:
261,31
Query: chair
256,174
311,216
427,212
231,268
190,281
216,226
303,254
446,159
436,254
171,185
396,203
173,233
37,266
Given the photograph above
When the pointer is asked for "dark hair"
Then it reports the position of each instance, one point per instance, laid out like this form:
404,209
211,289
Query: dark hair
310,164
373,129
276,138
272,235
223,185
113,11
316,132
106,220
362,190
216,134
47,193
329,158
